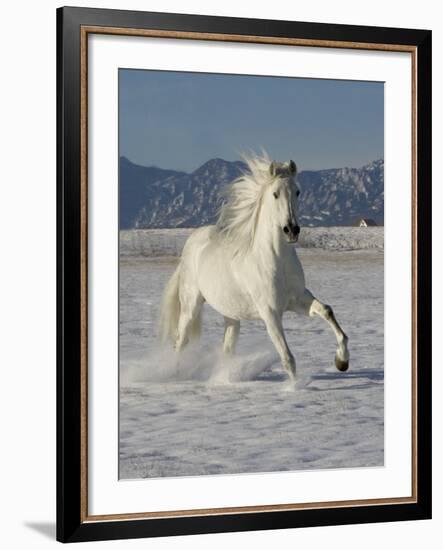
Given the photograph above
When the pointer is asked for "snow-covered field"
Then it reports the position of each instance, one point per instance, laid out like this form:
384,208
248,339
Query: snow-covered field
210,415
169,242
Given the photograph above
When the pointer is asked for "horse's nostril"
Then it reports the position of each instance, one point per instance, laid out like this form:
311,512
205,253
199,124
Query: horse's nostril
286,229
297,229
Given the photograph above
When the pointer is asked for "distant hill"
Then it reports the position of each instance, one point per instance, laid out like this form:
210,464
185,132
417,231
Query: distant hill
138,186
152,197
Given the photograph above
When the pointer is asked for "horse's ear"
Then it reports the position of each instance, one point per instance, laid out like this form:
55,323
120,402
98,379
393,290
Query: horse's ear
292,167
273,168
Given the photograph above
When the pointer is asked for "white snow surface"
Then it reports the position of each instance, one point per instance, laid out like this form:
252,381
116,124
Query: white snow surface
170,242
210,414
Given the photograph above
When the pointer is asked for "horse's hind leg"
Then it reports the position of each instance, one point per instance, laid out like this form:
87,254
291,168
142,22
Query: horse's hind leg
191,302
313,307
232,329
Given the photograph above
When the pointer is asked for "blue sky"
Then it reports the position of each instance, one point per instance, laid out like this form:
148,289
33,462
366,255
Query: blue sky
180,120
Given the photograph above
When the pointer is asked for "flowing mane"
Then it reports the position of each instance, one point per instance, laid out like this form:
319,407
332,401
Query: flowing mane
239,214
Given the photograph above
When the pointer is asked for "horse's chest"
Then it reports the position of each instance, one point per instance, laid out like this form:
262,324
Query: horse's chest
284,282
283,288
272,286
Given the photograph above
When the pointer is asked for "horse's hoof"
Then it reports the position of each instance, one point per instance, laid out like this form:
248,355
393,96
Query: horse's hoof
341,365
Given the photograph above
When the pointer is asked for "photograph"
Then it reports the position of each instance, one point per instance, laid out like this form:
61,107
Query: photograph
251,274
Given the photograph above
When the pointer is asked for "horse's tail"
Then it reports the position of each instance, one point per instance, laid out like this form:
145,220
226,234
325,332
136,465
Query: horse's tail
170,308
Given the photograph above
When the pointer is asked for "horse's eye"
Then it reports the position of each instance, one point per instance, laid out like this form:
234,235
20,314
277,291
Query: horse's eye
275,193
298,192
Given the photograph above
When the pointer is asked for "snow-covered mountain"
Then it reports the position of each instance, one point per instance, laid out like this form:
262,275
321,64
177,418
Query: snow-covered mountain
151,197
339,196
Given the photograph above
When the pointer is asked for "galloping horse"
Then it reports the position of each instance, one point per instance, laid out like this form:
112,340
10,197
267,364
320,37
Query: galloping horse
246,266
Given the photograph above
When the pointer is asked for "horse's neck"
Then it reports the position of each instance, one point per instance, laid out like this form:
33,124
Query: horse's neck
270,244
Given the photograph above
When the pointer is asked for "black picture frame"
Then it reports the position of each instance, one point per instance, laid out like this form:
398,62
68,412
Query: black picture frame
72,524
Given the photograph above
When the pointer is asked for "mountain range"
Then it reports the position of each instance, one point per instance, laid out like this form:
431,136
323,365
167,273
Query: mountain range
152,197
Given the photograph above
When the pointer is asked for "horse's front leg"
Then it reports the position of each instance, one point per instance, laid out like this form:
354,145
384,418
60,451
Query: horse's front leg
274,326
315,307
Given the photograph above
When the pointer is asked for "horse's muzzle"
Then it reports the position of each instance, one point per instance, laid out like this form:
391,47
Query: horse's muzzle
292,232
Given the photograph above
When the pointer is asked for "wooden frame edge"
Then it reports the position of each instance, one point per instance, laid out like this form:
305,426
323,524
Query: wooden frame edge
84,274
276,40
199,512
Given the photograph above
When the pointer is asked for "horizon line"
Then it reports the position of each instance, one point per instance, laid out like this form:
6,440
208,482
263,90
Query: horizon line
239,160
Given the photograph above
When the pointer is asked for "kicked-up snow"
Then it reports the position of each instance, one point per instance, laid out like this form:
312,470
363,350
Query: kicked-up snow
208,414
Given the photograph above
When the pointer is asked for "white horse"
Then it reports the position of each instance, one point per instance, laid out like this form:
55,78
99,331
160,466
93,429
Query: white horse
246,266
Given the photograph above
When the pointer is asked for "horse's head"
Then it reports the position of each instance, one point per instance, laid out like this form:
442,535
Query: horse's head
282,198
